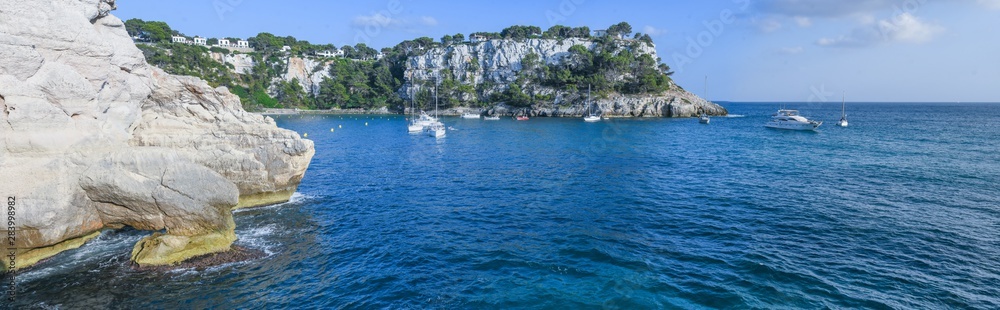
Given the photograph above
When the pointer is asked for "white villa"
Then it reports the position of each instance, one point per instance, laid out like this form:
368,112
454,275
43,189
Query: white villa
476,38
200,41
242,44
600,33
178,39
224,43
333,53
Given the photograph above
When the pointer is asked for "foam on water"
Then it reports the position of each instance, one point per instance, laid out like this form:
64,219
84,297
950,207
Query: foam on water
297,198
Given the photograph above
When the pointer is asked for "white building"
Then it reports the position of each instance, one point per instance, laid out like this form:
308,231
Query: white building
600,33
200,41
243,44
224,43
333,53
477,38
286,48
179,39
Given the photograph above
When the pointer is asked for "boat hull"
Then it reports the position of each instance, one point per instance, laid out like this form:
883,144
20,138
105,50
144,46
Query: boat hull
793,126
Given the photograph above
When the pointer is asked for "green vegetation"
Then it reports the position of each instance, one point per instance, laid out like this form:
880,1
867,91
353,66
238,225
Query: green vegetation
193,60
152,31
357,84
563,32
363,79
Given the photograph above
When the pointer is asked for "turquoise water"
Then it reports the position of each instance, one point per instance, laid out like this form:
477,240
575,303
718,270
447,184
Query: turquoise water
900,210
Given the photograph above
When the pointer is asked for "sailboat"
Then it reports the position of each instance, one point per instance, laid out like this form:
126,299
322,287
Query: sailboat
591,116
843,112
703,119
435,129
415,125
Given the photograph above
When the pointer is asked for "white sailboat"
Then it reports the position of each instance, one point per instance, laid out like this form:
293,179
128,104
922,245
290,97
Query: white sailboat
470,115
591,116
415,125
435,129
843,113
704,117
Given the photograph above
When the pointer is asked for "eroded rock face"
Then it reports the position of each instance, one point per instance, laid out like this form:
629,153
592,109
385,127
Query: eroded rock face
92,137
309,72
497,63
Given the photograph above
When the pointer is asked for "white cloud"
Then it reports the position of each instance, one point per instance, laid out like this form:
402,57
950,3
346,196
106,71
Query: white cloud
428,21
653,31
803,21
904,28
768,24
375,20
992,4
386,21
791,50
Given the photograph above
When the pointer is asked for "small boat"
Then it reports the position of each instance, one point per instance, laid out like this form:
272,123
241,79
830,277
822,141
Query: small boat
436,130
492,118
843,113
791,120
470,115
521,118
417,124
591,116
704,117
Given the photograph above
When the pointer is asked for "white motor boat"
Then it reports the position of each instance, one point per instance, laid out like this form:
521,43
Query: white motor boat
492,118
470,116
791,120
843,113
704,119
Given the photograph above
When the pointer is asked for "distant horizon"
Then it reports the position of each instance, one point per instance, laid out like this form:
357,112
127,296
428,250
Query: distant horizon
850,102
760,51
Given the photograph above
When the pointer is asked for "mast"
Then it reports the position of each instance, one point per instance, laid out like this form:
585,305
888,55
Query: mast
706,87
843,107
590,102
435,99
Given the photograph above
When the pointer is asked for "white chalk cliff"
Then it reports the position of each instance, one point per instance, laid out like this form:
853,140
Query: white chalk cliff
92,137
496,64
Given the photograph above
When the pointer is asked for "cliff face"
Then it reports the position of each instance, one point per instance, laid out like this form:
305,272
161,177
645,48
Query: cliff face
494,65
309,72
242,63
92,137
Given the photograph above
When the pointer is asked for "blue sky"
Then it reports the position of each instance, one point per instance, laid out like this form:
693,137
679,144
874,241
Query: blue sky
751,50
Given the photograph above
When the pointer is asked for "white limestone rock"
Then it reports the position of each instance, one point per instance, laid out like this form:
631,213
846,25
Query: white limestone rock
498,62
91,137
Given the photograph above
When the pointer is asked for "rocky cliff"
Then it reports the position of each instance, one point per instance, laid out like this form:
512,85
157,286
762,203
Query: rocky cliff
308,71
242,63
492,66
92,137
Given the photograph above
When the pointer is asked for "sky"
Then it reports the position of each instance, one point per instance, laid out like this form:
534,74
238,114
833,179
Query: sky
746,50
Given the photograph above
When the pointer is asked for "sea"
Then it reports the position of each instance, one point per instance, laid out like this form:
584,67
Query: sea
901,210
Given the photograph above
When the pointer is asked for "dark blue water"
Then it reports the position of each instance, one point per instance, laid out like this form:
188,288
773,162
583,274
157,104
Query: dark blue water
900,210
